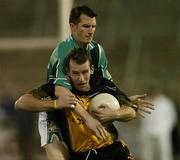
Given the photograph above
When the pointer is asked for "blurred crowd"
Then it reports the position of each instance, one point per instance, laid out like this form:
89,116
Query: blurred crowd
19,138
157,136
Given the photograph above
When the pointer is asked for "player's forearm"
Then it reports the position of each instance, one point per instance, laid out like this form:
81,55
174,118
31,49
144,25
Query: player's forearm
29,103
61,91
93,124
82,113
125,114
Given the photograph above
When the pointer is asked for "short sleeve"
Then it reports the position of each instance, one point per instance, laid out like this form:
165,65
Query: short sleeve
60,77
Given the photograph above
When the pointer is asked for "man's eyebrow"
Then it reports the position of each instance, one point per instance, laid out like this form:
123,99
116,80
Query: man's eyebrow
85,24
88,25
85,70
74,71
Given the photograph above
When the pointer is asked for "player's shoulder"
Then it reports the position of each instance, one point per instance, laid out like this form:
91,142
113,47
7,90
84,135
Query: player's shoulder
65,46
93,43
97,45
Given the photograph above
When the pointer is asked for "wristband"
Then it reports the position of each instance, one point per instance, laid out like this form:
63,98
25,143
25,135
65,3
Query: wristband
55,104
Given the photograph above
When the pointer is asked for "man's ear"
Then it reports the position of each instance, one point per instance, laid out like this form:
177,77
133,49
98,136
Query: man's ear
92,69
67,76
72,26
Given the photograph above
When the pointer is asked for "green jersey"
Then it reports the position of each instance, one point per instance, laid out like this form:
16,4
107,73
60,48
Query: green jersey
48,127
56,63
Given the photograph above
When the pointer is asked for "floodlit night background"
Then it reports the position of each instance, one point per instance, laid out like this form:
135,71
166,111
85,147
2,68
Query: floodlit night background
142,43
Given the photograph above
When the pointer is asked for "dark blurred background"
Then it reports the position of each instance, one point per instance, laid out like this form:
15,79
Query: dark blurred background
141,40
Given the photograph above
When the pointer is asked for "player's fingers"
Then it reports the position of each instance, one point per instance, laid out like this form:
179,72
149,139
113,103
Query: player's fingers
144,102
103,133
142,95
96,115
145,110
100,131
141,114
71,95
149,106
139,96
97,133
100,116
72,101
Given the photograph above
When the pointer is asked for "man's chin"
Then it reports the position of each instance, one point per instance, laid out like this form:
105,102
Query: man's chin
88,40
82,88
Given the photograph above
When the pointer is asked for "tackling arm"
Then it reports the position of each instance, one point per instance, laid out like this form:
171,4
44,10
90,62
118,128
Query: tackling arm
124,114
37,100
28,102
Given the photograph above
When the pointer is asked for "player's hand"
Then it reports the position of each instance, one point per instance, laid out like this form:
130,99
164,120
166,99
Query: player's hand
65,98
93,124
66,101
144,106
96,127
105,114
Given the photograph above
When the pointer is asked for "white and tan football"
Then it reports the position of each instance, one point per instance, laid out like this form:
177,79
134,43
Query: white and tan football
103,99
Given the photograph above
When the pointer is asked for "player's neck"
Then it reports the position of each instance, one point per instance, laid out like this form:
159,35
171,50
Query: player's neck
83,45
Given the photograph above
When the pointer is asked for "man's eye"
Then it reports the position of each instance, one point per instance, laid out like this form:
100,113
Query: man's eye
86,26
85,72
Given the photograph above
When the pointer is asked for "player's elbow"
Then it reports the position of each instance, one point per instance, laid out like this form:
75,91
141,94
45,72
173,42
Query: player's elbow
19,104
16,105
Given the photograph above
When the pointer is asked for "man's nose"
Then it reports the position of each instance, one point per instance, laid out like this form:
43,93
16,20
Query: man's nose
81,77
91,30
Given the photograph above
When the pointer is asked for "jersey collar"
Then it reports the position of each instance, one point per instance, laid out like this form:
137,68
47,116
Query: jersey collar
90,46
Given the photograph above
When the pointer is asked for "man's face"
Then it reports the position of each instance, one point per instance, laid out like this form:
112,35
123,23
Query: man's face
80,75
83,32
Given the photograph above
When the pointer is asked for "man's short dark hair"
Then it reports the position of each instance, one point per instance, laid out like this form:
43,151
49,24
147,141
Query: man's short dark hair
79,56
76,12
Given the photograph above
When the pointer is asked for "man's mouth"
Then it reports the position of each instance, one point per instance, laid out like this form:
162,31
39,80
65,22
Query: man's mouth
81,84
89,37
